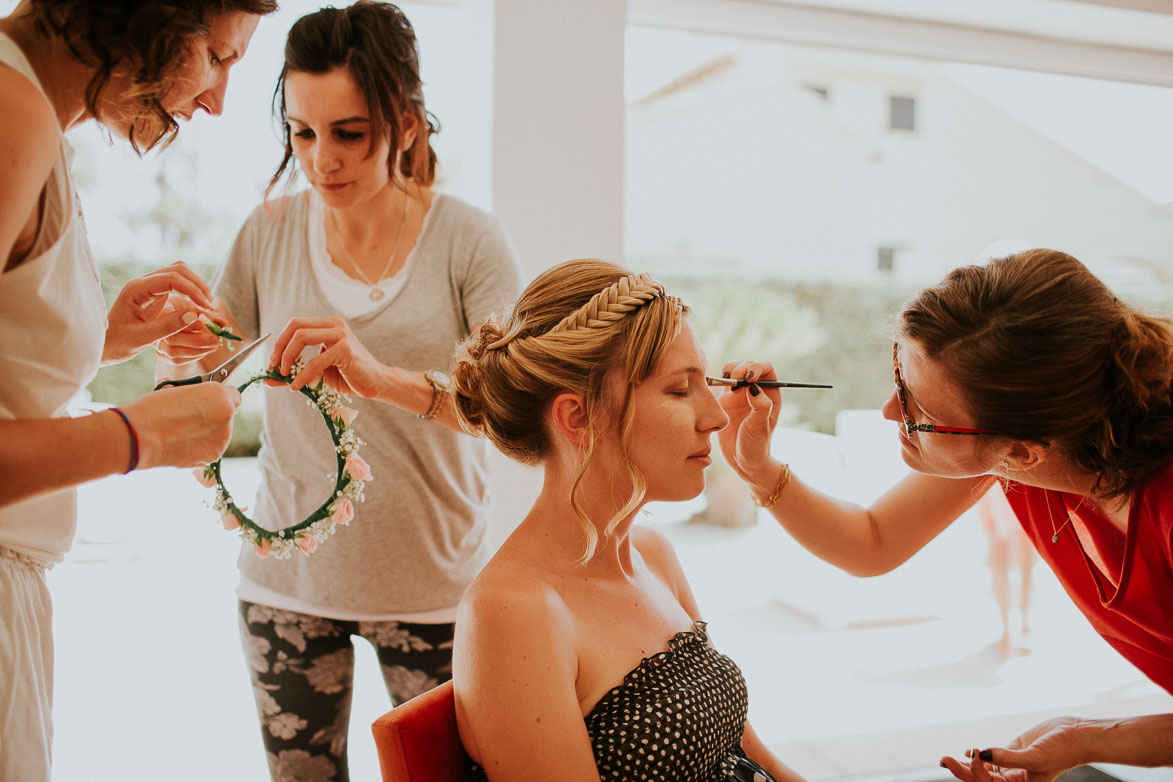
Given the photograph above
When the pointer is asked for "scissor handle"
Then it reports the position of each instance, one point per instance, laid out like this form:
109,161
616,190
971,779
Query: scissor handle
183,381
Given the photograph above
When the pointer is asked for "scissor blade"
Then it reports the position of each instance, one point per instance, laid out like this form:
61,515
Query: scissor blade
221,373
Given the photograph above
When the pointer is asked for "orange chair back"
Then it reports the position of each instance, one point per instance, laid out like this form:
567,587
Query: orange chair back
418,741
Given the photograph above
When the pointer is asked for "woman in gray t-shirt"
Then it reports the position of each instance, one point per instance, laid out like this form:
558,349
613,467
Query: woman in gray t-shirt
379,277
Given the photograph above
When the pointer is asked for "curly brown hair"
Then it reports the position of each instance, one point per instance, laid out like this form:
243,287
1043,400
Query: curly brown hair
1044,352
376,43
151,36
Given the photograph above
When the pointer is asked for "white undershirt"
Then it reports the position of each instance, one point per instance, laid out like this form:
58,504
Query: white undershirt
349,296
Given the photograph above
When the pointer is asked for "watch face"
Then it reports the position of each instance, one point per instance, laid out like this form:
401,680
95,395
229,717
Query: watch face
439,378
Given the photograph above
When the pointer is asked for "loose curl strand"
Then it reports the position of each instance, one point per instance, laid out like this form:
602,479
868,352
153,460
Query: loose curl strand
1044,352
154,38
573,328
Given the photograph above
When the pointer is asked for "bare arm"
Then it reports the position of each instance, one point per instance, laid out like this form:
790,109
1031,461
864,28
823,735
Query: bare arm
514,670
1052,747
863,541
874,540
348,367
756,750
178,427
28,149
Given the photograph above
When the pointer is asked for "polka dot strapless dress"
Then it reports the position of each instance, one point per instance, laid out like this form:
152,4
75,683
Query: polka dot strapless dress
679,715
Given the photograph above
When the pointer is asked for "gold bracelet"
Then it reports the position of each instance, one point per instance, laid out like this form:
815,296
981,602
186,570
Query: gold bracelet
782,481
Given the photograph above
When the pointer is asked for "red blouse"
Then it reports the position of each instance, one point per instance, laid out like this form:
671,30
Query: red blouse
1134,614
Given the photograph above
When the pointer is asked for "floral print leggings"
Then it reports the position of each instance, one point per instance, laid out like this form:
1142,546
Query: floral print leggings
302,669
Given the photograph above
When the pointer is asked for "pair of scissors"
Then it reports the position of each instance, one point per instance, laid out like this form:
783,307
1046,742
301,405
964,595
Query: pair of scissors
220,373
735,384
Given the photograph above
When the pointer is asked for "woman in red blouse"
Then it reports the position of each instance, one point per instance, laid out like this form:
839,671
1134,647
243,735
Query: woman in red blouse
1028,371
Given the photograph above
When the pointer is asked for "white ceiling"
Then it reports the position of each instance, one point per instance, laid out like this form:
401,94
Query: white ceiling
1124,40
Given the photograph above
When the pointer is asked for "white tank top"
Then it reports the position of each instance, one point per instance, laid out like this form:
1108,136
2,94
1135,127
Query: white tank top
52,328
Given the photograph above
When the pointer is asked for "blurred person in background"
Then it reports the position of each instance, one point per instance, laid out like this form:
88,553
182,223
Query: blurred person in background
1007,542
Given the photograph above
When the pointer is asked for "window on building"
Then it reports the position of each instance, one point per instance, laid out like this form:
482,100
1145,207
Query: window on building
885,258
901,113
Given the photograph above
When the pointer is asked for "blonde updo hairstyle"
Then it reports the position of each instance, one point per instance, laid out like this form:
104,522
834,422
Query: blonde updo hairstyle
573,327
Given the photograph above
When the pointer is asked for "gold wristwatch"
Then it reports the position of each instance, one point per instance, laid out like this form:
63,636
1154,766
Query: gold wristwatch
441,385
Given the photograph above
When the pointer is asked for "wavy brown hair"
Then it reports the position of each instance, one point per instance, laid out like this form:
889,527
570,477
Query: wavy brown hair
376,43
153,38
1044,352
574,326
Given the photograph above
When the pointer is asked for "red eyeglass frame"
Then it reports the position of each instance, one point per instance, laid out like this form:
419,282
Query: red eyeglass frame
910,425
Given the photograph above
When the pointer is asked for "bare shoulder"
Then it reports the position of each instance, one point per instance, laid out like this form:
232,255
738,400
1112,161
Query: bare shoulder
30,124
507,605
28,149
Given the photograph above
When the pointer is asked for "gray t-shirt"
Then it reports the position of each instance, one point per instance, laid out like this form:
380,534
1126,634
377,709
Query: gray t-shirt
421,535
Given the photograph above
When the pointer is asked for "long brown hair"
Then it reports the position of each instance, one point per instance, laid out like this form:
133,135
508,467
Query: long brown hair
152,36
1044,352
376,43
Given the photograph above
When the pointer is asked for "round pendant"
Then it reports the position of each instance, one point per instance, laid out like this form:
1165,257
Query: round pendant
376,294
1055,538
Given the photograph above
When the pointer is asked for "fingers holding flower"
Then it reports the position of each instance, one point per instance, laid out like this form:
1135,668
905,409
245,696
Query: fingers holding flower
152,307
342,361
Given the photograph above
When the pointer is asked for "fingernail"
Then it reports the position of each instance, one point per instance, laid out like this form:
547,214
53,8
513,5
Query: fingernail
754,390
986,755
190,317
749,375
724,374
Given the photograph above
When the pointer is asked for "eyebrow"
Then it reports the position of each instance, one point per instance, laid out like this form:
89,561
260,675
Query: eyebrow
346,121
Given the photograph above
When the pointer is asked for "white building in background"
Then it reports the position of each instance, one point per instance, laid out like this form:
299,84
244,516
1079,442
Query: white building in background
794,163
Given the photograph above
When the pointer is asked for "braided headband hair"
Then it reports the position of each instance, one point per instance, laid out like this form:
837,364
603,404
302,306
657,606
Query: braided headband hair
613,303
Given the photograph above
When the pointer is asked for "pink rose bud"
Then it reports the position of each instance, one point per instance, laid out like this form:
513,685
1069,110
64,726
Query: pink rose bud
342,509
262,547
306,543
229,520
345,415
358,469
206,479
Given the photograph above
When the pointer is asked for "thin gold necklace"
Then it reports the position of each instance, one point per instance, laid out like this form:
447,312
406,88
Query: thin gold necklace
376,292
1056,531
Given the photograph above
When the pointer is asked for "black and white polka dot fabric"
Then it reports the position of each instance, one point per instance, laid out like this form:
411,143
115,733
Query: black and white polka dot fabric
679,715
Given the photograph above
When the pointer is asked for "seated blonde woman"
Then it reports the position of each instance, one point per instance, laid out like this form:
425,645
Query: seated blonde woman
580,653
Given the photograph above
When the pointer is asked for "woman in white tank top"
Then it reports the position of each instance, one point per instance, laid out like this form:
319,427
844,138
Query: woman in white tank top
63,62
